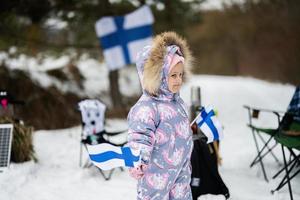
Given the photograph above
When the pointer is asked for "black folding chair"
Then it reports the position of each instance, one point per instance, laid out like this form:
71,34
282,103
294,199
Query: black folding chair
264,137
287,134
288,137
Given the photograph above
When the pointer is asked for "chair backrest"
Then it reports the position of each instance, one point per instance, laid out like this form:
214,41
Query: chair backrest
292,116
92,116
294,107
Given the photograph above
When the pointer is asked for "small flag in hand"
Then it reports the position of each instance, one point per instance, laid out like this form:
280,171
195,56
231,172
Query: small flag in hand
209,124
106,156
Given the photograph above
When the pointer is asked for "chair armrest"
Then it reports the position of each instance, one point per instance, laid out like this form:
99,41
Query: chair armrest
253,112
279,112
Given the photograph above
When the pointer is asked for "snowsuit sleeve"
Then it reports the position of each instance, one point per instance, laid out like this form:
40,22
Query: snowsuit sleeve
142,122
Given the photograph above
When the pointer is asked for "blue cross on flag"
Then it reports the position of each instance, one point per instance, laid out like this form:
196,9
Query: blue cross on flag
122,37
209,124
107,156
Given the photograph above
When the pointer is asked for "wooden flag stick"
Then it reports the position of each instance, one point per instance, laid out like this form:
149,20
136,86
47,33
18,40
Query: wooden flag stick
195,119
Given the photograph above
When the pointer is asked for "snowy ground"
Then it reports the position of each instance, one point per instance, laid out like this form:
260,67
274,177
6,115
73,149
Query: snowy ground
57,175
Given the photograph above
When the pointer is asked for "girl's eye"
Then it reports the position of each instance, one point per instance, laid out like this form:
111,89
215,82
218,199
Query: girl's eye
173,75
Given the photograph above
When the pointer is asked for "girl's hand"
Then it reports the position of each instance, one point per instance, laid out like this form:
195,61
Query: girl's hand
138,171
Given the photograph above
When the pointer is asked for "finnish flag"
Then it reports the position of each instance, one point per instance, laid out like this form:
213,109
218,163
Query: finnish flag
122,37
107,156
209,124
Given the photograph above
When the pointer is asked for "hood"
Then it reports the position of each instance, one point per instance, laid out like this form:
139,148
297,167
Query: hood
153,64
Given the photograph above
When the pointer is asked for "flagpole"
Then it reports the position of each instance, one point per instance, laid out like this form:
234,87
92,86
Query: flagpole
195,119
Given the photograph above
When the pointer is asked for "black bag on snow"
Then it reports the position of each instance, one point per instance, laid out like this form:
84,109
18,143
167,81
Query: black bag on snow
205,175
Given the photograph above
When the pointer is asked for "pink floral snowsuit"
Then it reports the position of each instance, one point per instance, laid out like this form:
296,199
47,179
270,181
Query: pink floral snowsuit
159,127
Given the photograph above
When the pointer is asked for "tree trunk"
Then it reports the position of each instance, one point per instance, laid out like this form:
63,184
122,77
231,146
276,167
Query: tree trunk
169,11
115,94
142,2
33,36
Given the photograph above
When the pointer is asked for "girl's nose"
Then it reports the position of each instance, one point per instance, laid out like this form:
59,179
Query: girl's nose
179,79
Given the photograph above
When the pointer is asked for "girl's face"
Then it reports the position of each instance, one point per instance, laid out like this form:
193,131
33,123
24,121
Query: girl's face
175,78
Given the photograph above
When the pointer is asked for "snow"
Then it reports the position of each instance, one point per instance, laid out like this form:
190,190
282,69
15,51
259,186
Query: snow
57,174
218,4
95,73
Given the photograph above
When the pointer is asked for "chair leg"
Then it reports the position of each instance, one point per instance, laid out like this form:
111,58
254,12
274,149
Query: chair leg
291,177
105,176
87,164
259,156
270,149
284,179
260,160
290,167
287,173
292,162
266,153
110,174
297,157
80,155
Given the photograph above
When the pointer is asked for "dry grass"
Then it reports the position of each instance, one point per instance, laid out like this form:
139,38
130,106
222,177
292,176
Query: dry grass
22,146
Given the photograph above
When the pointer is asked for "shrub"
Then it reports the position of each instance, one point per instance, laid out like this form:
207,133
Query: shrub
22,146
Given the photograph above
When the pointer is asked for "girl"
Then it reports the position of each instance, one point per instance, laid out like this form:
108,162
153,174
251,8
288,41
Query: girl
159,124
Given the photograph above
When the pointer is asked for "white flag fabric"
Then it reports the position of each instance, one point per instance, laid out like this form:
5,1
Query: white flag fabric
122,37
107,156
209,124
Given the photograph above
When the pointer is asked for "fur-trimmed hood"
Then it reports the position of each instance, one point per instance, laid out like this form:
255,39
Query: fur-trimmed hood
153,65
